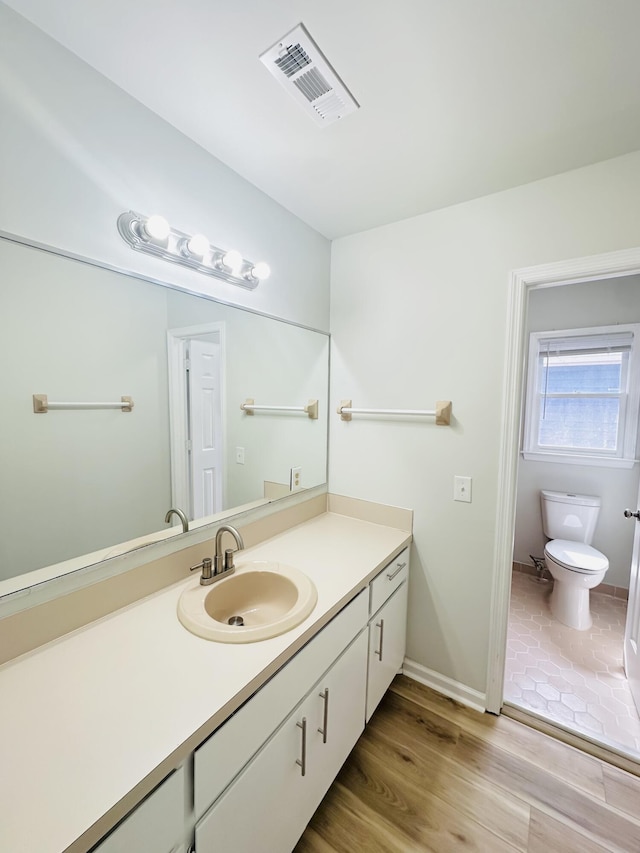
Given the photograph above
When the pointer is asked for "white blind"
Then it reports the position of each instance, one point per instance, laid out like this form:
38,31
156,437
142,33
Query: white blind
576,345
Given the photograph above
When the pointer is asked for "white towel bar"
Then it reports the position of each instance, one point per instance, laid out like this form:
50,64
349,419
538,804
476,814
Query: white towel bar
42,405
442,412
310,409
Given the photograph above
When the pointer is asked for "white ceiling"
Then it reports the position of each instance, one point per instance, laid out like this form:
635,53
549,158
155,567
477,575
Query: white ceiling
459,98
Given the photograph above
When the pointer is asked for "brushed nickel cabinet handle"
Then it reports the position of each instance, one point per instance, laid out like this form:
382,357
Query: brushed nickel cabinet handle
325,720
302,761
400,567
380,625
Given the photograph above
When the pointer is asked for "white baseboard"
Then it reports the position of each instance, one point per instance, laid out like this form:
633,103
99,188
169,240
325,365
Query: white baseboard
447,686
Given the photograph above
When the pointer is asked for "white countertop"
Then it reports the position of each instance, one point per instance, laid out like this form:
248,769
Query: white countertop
85,718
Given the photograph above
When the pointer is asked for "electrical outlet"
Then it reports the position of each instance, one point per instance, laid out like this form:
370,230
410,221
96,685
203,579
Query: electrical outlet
295,479
462,489
240,455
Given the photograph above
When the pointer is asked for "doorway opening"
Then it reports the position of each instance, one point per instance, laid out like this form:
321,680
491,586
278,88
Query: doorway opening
196,418
522,623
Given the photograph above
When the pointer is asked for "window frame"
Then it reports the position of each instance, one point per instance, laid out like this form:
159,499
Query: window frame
624,456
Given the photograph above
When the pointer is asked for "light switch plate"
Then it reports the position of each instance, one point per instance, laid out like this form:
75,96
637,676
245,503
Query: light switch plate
462,489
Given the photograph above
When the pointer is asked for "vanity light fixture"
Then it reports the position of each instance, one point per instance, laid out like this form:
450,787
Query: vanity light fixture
154,236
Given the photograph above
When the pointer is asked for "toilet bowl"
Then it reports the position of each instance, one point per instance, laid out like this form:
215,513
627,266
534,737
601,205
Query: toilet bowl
575,568
569,522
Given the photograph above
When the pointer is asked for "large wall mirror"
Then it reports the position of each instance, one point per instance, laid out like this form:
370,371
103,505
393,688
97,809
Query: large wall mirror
79,480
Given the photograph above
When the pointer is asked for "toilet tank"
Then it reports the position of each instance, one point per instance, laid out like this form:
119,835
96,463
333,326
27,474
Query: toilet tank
569,516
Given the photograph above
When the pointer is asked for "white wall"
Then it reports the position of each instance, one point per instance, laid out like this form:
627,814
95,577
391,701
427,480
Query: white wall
418,313
76,151
573,307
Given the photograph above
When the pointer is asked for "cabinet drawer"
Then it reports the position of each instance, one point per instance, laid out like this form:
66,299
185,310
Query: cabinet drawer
388,581
226,752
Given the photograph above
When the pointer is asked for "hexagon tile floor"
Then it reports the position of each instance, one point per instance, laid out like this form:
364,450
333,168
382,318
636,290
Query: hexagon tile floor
574,678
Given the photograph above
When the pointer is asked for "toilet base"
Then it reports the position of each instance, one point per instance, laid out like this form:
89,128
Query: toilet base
570,605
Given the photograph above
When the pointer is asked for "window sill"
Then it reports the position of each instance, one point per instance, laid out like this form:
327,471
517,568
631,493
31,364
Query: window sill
571,459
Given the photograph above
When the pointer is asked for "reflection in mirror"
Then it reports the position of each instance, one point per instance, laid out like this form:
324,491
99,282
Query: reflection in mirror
77,481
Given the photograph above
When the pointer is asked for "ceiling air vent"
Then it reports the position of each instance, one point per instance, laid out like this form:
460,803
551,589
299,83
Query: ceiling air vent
297,64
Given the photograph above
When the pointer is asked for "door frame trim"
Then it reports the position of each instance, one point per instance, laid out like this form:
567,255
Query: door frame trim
521,282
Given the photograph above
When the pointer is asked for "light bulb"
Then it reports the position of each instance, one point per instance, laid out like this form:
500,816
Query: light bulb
261,271
198,245
233,260
156,227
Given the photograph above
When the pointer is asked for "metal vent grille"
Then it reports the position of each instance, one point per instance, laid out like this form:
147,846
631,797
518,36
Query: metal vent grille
312,84
293,60
298,64
333,105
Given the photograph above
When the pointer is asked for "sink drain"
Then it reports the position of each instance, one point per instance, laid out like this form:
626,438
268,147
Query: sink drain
235,620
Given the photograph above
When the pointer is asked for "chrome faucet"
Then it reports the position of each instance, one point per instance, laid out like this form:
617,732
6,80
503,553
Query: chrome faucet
181,516
222,564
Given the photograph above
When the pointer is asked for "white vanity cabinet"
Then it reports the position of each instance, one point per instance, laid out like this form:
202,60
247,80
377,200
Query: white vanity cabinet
273,799
258,779
269,766
290,758
387,628
157,824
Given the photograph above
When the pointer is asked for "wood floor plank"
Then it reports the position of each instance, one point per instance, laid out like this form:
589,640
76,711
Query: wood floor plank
493,809
496,769
346,824
622,790
311,842
428,821
563,760
541,788
548,835
409,721
440,775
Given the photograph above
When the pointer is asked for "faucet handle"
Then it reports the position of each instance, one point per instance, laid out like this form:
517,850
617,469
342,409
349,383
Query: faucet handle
228,559
205,565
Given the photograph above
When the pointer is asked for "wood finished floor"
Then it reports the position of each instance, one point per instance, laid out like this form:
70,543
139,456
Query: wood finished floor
429,774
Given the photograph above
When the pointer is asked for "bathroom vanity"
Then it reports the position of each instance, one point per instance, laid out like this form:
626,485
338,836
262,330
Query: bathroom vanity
135,730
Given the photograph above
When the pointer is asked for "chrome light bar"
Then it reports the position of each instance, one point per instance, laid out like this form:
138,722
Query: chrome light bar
154,236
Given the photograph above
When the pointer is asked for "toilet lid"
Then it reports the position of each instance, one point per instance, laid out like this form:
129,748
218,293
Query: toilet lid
576,556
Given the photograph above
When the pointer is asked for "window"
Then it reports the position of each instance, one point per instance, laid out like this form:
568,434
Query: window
582,396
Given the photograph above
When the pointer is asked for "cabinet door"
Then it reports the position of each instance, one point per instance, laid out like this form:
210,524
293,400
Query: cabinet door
338,719
387,642
271,802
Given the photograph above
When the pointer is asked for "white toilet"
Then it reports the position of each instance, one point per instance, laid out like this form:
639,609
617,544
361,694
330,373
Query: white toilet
569,521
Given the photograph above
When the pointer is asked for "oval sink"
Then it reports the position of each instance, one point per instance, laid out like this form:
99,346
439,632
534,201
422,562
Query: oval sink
261,599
